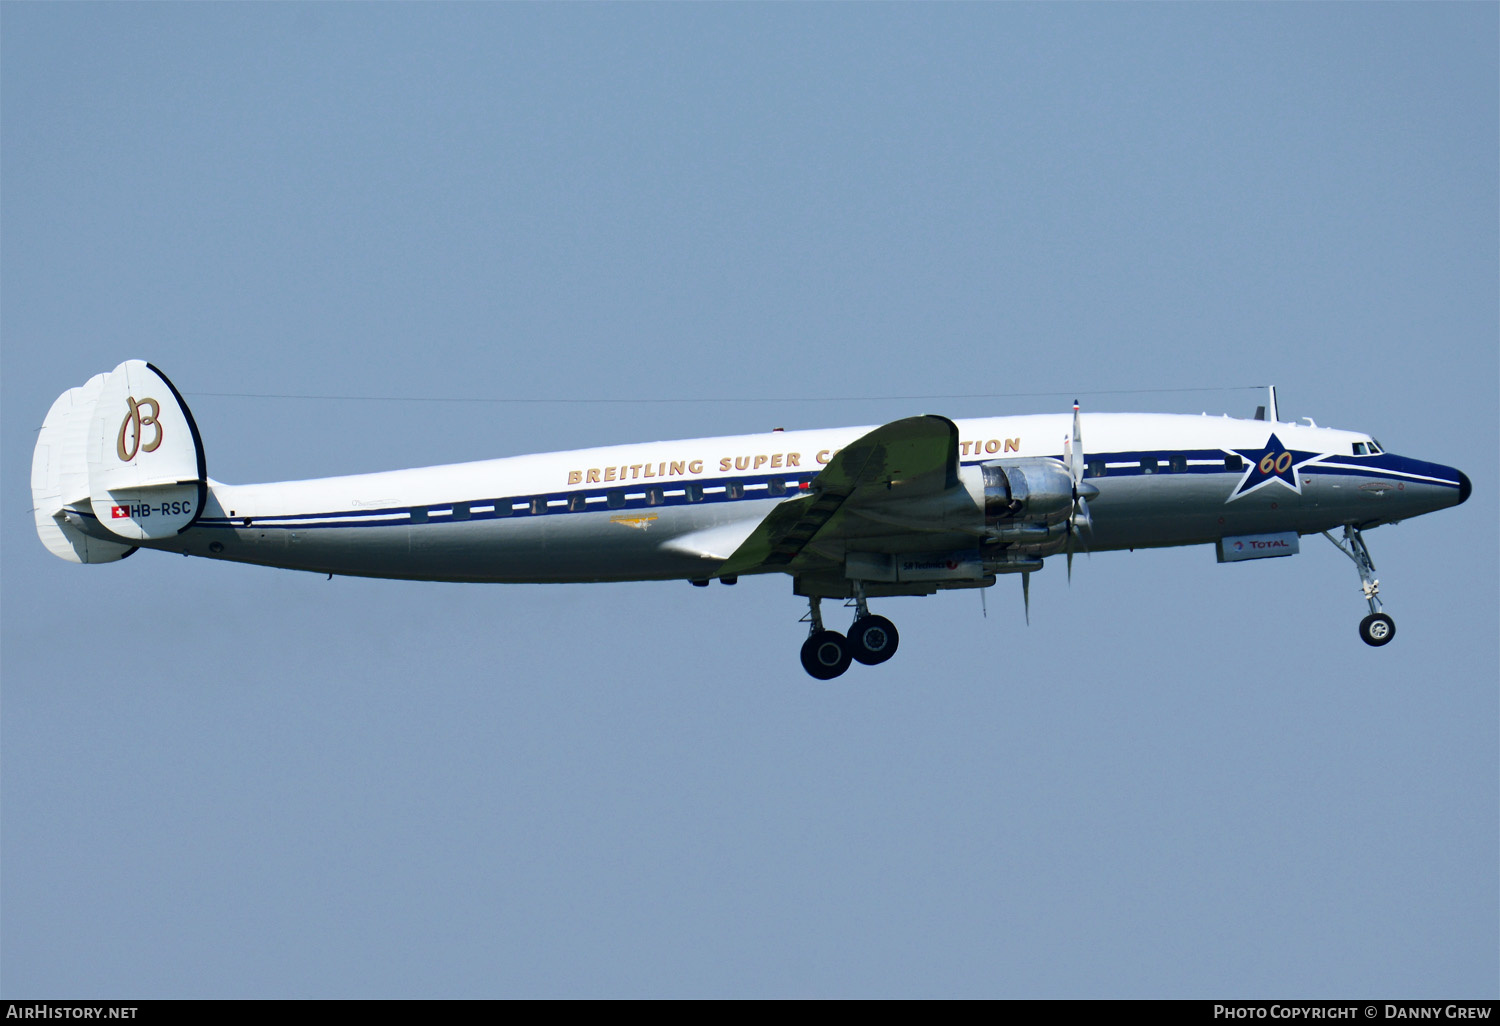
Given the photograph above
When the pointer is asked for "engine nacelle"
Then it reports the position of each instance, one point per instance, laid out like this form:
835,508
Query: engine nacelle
1035,490
1027,503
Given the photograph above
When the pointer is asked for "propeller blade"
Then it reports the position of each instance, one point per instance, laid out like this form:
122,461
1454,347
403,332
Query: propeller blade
1082,521
1075,451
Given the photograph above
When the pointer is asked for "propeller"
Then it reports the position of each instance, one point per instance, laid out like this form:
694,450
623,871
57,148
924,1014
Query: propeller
1080,524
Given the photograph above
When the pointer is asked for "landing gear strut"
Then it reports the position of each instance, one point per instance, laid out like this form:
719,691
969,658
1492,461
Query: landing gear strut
1376,629
826,654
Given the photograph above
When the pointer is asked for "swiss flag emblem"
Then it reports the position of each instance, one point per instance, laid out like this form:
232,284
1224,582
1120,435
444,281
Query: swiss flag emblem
119,512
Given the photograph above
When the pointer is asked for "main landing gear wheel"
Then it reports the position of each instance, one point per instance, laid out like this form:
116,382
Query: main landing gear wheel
873,639
825,654
1377,629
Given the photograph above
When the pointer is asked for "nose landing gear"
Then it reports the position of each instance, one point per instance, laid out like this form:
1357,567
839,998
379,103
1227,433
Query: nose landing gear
1378,628
827,654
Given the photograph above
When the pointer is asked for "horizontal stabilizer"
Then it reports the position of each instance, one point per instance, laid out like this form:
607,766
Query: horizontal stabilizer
117,461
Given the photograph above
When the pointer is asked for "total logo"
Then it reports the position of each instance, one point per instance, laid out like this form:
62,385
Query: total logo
1261,546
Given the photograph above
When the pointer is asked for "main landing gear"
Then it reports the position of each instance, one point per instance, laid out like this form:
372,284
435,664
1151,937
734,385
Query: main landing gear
1376,629
871,640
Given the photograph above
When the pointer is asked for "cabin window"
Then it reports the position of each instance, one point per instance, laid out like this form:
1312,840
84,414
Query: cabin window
1095,468
503,508
538,506
419,514
577,502
1179,464
695,493
460,511
1360,449
656,496
615,500
776,486
1234,463
1148,464
736,489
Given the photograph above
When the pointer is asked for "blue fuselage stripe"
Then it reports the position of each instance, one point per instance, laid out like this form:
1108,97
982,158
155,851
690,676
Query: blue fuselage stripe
742,488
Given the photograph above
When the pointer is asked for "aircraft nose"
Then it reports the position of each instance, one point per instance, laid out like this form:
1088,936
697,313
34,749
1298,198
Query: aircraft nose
1464,487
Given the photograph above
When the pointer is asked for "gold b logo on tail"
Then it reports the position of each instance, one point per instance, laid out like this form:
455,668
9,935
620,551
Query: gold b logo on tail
133,424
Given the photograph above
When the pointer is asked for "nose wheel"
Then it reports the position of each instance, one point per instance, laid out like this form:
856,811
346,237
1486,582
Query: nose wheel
827,654
1378,628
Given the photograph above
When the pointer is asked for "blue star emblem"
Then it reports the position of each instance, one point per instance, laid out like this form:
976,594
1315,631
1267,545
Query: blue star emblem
1273,463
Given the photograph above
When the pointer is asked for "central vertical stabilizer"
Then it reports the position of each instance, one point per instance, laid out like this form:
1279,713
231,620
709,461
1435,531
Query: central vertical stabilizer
147,477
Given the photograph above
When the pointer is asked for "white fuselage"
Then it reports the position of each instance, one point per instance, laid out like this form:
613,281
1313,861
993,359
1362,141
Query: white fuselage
661,510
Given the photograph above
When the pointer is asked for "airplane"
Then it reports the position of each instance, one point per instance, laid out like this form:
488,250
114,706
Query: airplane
912,507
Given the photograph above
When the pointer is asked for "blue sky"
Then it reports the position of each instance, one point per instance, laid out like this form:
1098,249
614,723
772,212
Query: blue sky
1182,780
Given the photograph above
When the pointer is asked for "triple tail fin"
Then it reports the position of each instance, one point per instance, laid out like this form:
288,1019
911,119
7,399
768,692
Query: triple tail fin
118,461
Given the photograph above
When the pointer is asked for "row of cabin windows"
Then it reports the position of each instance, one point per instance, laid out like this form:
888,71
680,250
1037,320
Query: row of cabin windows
1178,464
579,502
777,486
1174,465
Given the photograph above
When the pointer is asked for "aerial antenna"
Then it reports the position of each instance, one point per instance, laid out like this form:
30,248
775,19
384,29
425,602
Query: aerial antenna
1271,408
713,399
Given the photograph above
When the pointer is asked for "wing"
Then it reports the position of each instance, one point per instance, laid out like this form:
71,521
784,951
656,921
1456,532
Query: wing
883,477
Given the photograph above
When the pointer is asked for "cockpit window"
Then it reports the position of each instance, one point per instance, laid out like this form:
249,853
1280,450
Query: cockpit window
1376,448
1360,449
